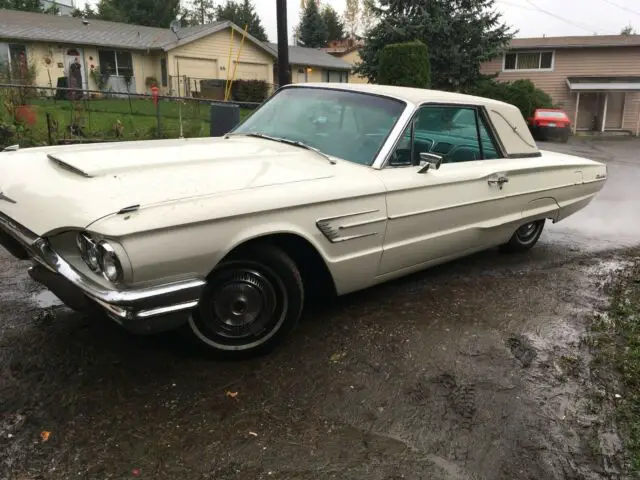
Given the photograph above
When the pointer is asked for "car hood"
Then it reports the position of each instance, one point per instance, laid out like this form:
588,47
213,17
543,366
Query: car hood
47,189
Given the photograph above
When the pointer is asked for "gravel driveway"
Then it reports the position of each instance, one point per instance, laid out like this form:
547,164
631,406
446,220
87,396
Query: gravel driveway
472,370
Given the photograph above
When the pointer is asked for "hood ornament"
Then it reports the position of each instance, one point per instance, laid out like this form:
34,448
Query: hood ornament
5,198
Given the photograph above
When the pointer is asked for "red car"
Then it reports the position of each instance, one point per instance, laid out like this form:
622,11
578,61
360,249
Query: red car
549,124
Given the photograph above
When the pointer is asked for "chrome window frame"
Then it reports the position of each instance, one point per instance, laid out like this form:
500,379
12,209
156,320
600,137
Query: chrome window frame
482,115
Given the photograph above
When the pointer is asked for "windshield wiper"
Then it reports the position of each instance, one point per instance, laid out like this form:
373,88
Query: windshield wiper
295,143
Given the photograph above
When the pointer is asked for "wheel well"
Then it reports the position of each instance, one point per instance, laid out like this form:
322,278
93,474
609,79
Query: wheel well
317,279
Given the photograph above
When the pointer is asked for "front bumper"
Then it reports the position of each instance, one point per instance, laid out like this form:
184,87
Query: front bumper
146,310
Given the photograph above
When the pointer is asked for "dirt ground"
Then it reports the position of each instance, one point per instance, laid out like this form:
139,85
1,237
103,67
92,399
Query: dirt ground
474,370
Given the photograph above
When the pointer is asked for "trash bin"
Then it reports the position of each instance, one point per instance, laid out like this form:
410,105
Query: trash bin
224,117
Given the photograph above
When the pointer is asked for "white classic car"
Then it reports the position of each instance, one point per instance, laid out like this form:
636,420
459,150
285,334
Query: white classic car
332,186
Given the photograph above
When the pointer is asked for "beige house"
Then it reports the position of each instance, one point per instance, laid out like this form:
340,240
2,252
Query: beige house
347,50
596,79
92,51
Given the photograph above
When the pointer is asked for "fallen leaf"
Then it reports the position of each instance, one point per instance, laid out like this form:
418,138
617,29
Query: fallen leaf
254,434
231,394
336,357
45,436
135,472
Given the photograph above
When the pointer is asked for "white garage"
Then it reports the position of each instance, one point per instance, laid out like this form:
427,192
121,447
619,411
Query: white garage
192,70
252,71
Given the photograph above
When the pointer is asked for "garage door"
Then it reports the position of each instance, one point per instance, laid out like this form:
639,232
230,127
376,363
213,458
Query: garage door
192,70
252,71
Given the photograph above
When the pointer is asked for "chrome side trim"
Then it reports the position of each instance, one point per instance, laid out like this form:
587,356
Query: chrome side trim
333,232
347,215
363,223
165,310
478,202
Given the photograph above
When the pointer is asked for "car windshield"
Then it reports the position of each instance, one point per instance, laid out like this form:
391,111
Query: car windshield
348,125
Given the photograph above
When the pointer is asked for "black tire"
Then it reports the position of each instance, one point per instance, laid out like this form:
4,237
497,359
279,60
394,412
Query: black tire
524,238
251,302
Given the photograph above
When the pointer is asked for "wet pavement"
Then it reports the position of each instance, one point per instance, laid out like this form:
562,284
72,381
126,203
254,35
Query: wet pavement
472,370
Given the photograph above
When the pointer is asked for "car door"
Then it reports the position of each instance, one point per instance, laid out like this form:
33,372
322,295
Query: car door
446,212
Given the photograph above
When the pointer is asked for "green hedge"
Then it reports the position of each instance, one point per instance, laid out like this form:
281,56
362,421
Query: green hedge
249,90
405,65
521,93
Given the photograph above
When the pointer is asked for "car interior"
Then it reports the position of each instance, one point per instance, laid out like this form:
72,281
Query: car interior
451,132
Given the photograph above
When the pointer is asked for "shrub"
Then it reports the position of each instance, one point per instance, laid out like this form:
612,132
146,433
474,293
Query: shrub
521,93
151,81
405,65
249,90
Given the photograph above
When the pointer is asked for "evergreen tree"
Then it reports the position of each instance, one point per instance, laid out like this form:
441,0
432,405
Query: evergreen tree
24,5
312,31
242,13
335,26
460,35
628,30
199,12
150,13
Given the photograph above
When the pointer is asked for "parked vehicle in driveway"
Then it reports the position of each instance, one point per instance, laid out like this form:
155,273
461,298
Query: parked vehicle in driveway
334,186
550,124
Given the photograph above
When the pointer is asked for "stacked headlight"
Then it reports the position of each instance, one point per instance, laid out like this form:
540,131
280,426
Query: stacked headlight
100,257
109,263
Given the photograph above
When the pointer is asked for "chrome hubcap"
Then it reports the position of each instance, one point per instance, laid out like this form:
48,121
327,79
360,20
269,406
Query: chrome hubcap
243,303
527,232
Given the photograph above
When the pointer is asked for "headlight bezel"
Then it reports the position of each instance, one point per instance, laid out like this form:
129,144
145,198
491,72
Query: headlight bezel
101,257
89,251
114,271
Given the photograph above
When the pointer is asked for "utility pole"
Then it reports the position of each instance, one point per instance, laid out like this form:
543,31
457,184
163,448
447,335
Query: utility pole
284,73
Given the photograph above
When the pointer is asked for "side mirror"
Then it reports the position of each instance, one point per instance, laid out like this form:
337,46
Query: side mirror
429,160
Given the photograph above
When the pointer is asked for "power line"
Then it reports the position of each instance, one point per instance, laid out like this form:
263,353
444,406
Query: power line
558,17
621,7
516,5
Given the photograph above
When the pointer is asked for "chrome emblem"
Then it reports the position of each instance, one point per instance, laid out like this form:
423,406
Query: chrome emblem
5,198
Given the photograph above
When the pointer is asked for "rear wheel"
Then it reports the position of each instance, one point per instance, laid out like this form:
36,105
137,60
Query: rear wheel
524,237
251,302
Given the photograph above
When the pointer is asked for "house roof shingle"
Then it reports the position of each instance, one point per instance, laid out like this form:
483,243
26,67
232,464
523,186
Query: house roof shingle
312,57
70,30
65,29
592,41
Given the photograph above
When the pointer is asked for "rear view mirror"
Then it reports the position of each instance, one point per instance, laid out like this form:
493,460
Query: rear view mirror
429,160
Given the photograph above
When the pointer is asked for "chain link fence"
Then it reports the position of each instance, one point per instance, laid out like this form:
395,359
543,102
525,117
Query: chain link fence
35,116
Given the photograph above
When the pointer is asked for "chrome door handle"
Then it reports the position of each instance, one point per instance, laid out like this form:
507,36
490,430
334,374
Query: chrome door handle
500,180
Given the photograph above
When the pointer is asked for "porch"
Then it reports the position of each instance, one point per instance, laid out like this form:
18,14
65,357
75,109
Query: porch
602,104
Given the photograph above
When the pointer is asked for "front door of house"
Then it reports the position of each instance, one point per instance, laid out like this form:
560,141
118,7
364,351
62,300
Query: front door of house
588,111
74,68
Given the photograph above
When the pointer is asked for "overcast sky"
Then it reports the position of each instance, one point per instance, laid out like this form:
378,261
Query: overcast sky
532,18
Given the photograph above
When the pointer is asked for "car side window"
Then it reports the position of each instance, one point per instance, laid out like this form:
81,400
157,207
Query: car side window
458,134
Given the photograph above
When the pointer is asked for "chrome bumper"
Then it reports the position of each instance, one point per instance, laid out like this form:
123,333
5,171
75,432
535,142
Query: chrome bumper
146,310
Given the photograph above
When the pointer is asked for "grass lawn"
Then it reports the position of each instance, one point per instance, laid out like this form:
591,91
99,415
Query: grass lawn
617,342
98,119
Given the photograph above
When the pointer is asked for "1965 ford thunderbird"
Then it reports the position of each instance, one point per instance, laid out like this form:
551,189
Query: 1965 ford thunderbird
333,186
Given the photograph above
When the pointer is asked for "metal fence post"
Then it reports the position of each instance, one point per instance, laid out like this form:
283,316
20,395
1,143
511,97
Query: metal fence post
49,136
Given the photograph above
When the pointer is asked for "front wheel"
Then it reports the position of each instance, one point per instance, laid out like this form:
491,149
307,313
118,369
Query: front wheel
524,237
251,302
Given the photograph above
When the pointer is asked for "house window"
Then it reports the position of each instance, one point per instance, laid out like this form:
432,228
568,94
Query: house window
163,72
528,61
17,55
337,76
115,63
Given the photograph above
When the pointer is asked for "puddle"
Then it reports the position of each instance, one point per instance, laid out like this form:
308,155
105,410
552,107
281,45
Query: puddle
46,299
